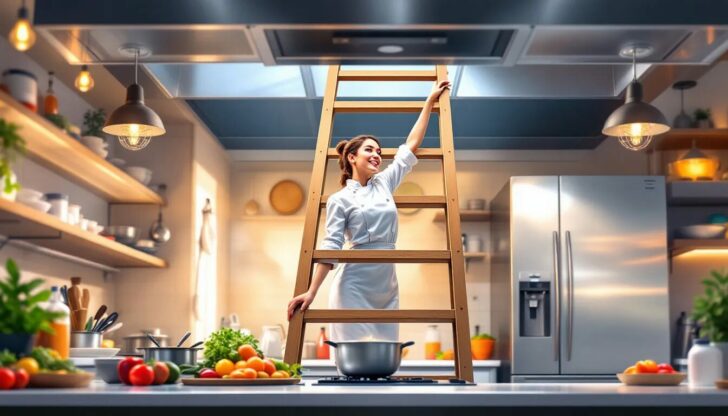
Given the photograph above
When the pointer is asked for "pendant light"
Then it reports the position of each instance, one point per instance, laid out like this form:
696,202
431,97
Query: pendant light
134,123
635,123
695,166
22,35
683,120
84,81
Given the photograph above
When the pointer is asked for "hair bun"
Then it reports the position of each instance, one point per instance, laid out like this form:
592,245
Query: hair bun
341,146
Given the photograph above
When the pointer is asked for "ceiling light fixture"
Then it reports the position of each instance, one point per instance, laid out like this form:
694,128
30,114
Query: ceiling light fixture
695,166
22,35
134,123
635,122
683,120
84,81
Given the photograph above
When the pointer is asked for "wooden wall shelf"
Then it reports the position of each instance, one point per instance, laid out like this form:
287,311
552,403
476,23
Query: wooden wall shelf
682,139
681,246
21,222
701,193
53,148
466,216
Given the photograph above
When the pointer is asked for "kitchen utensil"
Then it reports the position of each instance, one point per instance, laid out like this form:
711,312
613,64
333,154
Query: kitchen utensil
54,380
370,359
196,344
64,294
107,322
684,335
240,381
140,173
99,314
85,298
93,352
112,328
409,189
476,204
123,234
154,340
78,319
286,197
85,339
652,379
106,369
158,231
131,343
177,355
184,338
702,231
89,323
271,343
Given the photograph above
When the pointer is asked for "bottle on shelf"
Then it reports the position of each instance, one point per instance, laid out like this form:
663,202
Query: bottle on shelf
50,104
60,340
322,348
432,342
705,364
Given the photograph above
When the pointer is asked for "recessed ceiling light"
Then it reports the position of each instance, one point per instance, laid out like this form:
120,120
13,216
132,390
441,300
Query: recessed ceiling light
390,49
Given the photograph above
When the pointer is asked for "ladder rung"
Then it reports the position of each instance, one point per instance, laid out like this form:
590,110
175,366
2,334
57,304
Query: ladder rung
425,201
387,76
378,315
389,152
381,107
382,256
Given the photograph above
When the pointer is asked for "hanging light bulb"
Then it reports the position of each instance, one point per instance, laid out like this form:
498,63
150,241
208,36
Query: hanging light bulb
635,123
22,35
84,81
134,123
695,166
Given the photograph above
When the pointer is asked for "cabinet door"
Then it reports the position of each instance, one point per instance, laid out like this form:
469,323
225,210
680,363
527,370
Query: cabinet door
615,272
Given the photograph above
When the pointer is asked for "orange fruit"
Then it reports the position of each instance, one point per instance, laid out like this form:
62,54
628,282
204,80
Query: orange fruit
256,364
247,351
224,367
241,364
278,374
249,373
270,368
285,373
263,374
630,370
236,374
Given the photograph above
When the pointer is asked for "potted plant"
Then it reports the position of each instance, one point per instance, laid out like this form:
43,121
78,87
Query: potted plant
21,316
710,311
702,118
11,144
92,135
481,346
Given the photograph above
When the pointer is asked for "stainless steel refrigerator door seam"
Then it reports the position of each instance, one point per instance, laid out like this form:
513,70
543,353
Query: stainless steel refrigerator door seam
570,296
557,296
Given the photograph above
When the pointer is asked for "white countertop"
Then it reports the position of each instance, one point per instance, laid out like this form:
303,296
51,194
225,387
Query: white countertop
410,363
308,395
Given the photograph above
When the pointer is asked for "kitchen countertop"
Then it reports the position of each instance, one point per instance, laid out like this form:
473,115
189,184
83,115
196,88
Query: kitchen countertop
100,394
410,363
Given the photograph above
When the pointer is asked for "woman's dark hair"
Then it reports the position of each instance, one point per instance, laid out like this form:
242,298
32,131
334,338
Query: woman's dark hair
347,147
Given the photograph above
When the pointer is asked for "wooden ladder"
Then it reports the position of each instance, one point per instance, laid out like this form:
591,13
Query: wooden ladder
457,315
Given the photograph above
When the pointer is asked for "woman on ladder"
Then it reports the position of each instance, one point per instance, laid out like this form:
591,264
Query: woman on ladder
364,213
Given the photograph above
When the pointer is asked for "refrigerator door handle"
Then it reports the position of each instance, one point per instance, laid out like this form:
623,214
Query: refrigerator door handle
570,296
557,295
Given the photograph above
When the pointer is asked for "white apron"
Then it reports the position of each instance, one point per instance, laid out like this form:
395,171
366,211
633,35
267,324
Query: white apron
366,216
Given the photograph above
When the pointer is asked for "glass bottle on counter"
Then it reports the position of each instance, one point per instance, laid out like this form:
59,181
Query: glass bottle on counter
322,348
50,103
705,364
60,340
432,342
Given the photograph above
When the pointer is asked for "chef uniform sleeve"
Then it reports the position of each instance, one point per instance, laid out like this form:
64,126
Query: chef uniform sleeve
335,225
402,164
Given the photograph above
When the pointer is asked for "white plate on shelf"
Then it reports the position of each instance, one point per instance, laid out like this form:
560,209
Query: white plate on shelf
94,352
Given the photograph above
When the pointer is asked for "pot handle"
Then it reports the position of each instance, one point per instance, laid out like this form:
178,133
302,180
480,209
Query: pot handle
332,343
406,344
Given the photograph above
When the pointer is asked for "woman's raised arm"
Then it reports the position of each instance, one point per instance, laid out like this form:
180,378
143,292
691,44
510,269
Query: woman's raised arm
414,140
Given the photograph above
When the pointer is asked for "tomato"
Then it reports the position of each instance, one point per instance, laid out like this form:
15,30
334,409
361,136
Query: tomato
28,364
7,379
174,372
125,366
256,364
224,367
161,372
270,367
665,368
141,375
22,378
208,373
246,352
646,366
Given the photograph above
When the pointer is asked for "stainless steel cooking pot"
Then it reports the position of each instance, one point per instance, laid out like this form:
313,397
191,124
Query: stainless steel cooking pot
368,359
131,344
177,355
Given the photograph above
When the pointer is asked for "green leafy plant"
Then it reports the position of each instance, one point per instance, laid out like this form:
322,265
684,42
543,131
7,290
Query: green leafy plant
224,343
12,145
93,122
702,114
20,312
710,309
7,358
482,336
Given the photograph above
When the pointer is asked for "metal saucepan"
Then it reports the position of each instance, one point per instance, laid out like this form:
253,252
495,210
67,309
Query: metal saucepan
177,355
368,359
131,344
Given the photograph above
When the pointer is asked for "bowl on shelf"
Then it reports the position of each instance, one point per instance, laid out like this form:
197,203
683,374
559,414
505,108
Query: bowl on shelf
123,234
28,194
140,173
702,231
40,205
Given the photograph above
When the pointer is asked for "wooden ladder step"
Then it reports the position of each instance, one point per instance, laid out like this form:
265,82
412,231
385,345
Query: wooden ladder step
387,76
382,256
379,315
381,107
425,201
389,152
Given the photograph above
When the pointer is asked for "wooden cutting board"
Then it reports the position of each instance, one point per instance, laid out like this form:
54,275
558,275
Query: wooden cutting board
240,381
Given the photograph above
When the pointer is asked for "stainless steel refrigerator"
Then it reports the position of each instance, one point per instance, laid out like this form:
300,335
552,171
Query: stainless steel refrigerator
579,277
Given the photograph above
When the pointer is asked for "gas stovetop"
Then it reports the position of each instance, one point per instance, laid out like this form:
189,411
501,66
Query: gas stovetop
394,381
